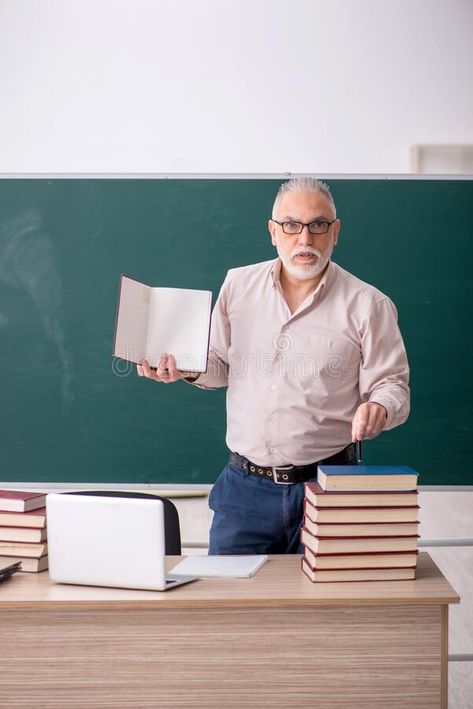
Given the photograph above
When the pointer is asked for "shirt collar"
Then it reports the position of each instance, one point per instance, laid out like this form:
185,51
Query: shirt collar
324,283
276,271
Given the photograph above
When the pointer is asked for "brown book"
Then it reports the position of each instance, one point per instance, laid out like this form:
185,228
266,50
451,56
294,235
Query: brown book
376,478
360,515
20,501
23,549
28,565
22,534
324,545
334,575
370,529
371,560
34,518
326,498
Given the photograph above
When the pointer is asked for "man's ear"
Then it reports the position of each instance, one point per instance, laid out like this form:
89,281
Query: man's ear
336,231
272,231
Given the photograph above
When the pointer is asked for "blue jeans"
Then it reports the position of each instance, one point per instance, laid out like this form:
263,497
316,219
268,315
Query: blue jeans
254,515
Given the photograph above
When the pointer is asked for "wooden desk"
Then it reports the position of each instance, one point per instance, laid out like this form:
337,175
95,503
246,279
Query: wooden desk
273,640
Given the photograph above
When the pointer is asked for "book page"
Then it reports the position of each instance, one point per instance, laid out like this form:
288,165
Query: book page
132,320
178,324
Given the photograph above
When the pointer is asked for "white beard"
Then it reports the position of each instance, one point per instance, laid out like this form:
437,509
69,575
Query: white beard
305,273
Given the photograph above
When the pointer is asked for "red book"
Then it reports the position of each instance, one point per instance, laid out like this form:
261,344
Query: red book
22,534
32,551
369,560
338,575
20,501
31,565
361,498
357,545
34,518
366,529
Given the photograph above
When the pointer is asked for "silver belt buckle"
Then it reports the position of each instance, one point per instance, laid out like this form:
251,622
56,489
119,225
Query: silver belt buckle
282,468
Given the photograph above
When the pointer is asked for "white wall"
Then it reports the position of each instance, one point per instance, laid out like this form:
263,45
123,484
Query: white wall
334,86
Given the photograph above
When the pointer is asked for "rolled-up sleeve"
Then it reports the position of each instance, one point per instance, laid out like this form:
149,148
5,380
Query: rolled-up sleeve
384,369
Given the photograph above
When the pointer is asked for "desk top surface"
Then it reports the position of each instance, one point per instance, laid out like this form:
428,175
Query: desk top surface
280,582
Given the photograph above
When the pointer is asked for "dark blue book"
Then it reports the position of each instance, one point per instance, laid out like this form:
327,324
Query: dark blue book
375,478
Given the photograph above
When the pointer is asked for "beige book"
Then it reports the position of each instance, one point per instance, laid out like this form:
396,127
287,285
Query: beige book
155,321
402,529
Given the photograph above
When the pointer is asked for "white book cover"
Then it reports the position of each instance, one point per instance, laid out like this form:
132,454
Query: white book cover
232,566
153,321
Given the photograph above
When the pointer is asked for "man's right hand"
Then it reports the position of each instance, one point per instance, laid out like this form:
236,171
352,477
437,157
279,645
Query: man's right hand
166,371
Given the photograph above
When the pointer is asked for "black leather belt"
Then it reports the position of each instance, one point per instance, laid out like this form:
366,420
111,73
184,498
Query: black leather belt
289,474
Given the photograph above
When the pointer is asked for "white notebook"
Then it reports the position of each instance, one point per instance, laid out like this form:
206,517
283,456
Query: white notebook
154,321
220,565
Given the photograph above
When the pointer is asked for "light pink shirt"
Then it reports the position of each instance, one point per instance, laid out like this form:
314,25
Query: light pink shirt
295,381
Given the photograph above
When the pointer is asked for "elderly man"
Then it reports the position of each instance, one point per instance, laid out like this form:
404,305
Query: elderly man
313,360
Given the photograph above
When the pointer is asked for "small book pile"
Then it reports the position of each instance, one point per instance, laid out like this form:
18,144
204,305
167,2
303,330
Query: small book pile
361,523
23,529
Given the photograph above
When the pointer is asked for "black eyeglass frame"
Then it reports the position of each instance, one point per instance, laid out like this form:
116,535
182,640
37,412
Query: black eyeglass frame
313,233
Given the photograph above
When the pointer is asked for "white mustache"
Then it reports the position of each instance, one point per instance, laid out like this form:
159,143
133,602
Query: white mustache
307,250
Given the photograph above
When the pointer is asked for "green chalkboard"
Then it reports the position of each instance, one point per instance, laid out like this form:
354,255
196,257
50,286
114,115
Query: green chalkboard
68,415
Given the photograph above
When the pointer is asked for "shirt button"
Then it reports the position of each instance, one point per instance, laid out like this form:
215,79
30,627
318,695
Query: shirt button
270,450
273,387
269,418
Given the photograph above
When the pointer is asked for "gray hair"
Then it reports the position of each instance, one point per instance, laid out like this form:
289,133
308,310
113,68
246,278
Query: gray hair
303,184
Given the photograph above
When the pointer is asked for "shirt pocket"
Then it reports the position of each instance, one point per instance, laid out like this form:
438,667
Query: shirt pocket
335,360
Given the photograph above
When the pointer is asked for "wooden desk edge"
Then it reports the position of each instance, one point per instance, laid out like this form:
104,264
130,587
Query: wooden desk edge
207,604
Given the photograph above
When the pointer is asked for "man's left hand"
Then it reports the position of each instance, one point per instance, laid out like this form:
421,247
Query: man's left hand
368,421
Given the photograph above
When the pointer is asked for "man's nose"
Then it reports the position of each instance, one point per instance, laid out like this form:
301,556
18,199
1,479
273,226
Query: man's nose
305,237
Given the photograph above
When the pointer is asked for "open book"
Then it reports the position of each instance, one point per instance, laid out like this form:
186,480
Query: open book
154,321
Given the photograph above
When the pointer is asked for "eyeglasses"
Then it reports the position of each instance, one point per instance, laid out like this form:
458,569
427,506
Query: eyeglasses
319,226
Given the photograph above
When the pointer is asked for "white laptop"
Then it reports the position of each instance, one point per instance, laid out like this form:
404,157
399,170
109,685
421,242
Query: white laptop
108,541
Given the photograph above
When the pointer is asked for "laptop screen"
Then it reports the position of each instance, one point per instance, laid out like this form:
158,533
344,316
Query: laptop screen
103,540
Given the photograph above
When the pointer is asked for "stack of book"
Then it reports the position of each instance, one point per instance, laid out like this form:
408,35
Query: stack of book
361,523
23,529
